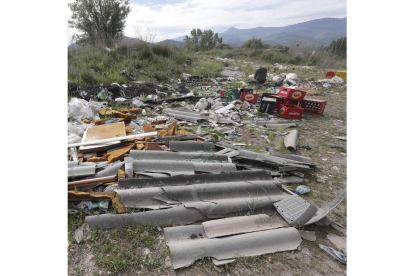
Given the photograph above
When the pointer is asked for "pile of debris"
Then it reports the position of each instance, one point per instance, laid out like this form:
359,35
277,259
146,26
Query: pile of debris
176,160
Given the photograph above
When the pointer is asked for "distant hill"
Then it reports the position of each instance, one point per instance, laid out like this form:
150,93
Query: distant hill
314,32
172,42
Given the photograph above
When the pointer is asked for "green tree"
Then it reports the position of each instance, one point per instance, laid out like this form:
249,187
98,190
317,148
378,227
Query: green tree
338,47
100,21
254,44
202,40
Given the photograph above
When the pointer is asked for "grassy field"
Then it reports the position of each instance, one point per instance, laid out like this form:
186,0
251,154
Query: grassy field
143,250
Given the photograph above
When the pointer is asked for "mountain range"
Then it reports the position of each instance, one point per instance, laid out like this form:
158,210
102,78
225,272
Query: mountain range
311,33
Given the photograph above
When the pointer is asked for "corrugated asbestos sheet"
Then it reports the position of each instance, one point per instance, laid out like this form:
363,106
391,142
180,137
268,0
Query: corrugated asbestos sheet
297,211
196,179
177,215
186,115
191,146
173,167
213,200
110,169
237,225
81,171
179,156
189,243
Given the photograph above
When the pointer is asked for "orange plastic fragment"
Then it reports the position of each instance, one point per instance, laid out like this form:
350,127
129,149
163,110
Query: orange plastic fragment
119,153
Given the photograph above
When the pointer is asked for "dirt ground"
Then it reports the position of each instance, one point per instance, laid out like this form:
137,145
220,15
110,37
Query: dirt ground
143,250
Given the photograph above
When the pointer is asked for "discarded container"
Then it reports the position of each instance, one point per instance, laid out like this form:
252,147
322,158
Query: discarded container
302,189
292,94
249,97
291,111
341,74
330,74
268,105
313,106
222,93
232,95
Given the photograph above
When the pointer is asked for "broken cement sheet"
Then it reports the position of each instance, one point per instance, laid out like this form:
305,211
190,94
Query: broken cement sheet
183,156
341,257
111,169
289,179
101,132
213,200
191,146
186,115
197,179
78,235
79,170
237,225
177,215
308,235
295,210
186,251
324,210
214,167
291,140
338,241
339,227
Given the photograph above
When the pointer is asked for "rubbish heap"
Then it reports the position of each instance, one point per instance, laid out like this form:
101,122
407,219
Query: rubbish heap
171,157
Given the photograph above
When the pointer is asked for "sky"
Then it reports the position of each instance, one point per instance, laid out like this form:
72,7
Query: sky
172,19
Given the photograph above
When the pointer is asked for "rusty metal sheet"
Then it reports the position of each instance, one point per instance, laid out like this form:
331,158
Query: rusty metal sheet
177,215
238,225
191,146
295,210
186,252
101,132
197,179
291,140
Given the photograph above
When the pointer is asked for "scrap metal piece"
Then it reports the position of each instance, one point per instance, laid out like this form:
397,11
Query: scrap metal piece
341,257
295,210
197,179
291,140
237,225
324,210
186,252
186,115
338,241
177,215
308,235
191,146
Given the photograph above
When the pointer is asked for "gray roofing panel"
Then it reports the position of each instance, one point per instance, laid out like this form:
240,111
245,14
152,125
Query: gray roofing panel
295,210
111,169
324,210
196,179
141,198
214,167
291,140
191,146
81,171
186,252
167,166
237,225
177,215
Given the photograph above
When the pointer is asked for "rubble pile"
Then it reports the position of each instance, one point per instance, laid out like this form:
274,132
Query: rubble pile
171,150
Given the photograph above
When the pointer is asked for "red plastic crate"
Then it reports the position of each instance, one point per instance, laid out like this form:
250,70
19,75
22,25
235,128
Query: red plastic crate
291,111
222,93
292,94
280,101
312,106
330,74
249,97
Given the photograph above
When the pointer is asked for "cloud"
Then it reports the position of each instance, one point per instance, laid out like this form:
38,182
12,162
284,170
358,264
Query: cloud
174,20
177,18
